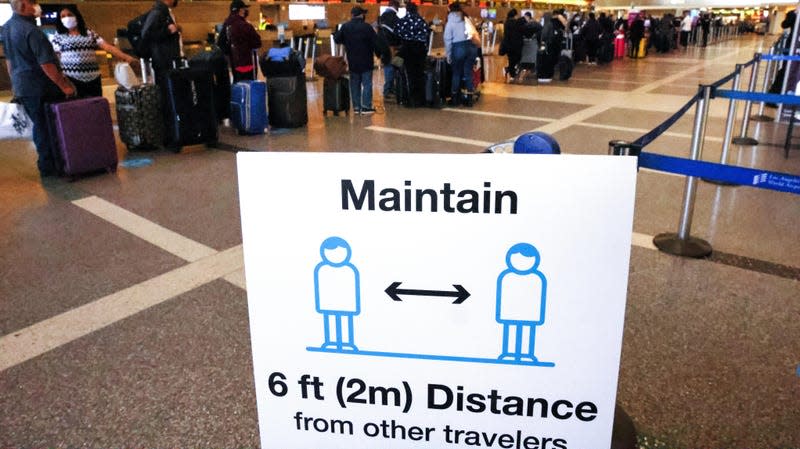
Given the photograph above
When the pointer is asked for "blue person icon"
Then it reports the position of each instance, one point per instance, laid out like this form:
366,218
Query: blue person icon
521,292
337,294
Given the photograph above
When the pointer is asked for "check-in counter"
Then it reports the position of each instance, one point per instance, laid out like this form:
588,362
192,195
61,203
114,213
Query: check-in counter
271,38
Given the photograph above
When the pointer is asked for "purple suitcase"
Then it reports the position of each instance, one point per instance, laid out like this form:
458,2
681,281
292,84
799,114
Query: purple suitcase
83,136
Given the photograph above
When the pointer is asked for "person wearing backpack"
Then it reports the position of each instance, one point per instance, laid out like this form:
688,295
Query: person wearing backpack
238,39
161,37
389,43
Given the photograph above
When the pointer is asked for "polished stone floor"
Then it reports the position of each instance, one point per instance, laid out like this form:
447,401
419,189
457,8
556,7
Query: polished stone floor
123,314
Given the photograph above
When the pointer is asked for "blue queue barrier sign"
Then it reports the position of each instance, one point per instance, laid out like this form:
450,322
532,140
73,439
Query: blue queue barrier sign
422,300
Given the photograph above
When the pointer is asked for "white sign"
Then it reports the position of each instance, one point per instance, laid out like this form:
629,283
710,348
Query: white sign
306,12
423,300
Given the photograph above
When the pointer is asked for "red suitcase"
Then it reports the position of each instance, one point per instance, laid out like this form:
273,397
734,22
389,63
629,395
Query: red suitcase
83,136
619,47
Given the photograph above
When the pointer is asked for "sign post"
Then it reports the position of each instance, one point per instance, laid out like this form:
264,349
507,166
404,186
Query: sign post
421,300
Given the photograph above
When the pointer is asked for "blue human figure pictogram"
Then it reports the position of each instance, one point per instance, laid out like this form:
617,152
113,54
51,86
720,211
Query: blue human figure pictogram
337,294
521,293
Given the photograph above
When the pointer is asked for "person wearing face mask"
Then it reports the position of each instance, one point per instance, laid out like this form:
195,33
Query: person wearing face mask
35,76
238,39
162,36
75,46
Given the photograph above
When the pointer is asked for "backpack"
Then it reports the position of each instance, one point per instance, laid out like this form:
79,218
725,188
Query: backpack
223,40
134,34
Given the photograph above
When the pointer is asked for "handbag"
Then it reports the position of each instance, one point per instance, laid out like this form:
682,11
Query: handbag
14,122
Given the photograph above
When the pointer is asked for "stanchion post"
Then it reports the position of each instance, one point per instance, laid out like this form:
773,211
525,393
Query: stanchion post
743,139
682,243
760,117
731,119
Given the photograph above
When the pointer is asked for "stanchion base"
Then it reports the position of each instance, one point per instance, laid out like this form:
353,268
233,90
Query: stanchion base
762,118
720,183
744,141
691,247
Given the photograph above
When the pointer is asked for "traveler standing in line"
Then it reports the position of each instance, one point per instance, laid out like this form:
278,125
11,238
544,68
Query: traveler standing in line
36,78
549,47
75,46
637,34
591,36
686,28
358,39
238,39
386,33
513,36
461,52
705,26
162,35
413,33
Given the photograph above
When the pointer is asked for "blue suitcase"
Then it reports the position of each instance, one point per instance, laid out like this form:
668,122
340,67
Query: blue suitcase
249,107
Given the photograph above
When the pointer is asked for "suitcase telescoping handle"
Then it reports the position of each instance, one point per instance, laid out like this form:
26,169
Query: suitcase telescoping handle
183,62
148,75
255,64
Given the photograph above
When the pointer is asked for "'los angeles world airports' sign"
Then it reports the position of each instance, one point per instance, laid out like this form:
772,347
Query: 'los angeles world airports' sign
435,301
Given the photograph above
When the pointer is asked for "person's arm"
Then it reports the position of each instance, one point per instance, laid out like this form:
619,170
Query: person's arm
55,75
119,54
254,37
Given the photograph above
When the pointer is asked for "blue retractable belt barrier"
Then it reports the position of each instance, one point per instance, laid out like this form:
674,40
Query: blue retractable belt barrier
762,179
662,128
780,57
793,100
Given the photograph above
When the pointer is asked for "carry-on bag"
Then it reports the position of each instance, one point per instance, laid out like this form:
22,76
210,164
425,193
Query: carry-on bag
433,83
287,100
215,63
282,62
642,48
139,117
401,88
82,136
336,95
248,105
530,51
191,116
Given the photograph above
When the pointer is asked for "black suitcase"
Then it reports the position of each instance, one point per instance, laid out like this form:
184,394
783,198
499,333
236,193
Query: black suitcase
437,89
190,115
214,62
287,100
401,85
139,116
336,95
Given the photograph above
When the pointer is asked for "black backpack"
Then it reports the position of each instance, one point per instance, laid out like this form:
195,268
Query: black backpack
134,35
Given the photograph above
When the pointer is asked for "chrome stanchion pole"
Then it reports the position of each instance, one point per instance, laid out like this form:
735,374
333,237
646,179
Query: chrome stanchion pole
726,141
748,105
682,243
760,117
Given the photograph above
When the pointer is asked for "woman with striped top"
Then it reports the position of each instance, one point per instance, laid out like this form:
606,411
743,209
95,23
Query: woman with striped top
76,46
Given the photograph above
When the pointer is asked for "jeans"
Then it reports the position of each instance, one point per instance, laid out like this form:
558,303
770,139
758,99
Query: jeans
35,107
361,90
463,58
388,79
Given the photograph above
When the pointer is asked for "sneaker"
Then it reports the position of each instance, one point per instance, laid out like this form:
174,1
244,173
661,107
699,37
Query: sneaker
545,80
368,111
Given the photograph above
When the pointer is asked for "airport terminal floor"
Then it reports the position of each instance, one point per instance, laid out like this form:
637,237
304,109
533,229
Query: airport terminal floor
123,310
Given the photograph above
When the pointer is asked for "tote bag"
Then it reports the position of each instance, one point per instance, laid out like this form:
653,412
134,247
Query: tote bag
14,122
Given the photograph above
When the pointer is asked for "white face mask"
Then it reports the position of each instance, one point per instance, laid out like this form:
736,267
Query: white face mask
69,22
37,10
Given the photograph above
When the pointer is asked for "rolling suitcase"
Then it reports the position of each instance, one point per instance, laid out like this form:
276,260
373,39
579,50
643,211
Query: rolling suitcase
642,48
139,117
83,136
401,85
433,82
191,117
619,46
287,97
215,63
248,105
336,95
